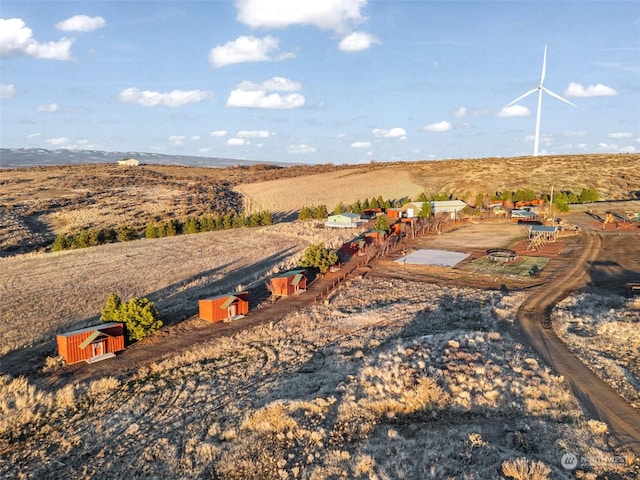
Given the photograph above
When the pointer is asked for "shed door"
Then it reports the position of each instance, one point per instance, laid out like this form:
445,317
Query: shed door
99,347
233,310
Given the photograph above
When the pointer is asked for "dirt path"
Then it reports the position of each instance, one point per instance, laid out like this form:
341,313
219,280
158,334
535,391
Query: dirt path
596,396
176,339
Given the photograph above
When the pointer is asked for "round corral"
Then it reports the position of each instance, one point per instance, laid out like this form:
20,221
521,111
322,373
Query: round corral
503,255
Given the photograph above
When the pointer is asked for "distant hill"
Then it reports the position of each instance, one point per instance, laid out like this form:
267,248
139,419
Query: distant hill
33,157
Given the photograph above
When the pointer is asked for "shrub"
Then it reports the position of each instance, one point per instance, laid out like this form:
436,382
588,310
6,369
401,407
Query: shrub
126,233
111,312
61,242
140,316
382,223
520,469
317,256
425,210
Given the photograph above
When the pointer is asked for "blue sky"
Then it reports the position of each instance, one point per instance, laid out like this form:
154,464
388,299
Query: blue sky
341,81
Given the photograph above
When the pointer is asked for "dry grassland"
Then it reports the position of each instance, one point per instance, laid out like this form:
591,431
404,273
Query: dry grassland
603,331
44,294
290,194
386,379
40,202
614,176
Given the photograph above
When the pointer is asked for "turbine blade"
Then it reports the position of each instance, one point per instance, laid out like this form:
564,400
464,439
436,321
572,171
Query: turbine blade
544,66
534,90
555,95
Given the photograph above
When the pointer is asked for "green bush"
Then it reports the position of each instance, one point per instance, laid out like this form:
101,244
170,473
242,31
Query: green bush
140,316
317,256
382,223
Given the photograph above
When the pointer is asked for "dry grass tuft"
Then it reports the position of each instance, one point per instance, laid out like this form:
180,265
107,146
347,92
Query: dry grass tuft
522,469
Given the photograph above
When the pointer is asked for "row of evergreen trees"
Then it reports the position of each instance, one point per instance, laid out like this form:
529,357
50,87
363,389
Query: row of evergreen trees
561,201
207,223
91,237
320,212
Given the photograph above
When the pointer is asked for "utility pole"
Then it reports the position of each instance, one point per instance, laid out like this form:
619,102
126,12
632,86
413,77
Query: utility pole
553,212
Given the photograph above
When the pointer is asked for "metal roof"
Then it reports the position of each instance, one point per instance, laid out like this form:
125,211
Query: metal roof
296,279
292,273
89,339
229,301
543,228
89,329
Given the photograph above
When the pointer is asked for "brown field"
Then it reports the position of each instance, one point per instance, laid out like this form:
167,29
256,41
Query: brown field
615,177
385,379
399,373
44,294
40,202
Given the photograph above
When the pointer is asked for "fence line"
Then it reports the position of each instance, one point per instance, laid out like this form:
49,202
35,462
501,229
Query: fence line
377,251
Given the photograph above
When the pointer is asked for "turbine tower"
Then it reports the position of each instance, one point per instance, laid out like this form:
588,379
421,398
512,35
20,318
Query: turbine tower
539,89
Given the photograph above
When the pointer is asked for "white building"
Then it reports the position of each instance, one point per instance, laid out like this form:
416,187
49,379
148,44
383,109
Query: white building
129,162
452,207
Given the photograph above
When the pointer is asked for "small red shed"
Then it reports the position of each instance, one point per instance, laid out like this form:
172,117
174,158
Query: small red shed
394,212
376,237
289,283
91,344
224,307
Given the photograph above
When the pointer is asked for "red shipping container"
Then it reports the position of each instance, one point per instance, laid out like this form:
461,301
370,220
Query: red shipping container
224,307
91,344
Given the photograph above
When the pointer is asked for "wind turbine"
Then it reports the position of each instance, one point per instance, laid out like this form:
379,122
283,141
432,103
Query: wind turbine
539,89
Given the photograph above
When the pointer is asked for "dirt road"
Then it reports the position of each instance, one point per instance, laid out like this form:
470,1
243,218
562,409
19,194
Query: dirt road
596,396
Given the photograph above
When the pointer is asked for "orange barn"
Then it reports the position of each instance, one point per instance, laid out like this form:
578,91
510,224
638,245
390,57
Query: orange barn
91,344
376,237
224,307
289,283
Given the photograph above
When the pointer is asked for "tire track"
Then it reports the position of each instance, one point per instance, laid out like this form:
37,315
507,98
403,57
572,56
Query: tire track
596,396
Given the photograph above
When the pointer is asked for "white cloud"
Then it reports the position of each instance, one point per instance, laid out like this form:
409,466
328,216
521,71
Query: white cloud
281,84
16,38
396,132
443,126
237,142
7,90
577,133
620,135
252,95
358,41
175,98
253,134
361,145
56,142
598,90
514,111
302,148
246,49
333,15
204,150
47,107
194,137
218,133
177,140
460,112
34,135
469,112
81,23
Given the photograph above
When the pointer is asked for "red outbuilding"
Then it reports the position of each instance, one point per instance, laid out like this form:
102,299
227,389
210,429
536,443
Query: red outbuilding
289,283
224,308
377,237
91,344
